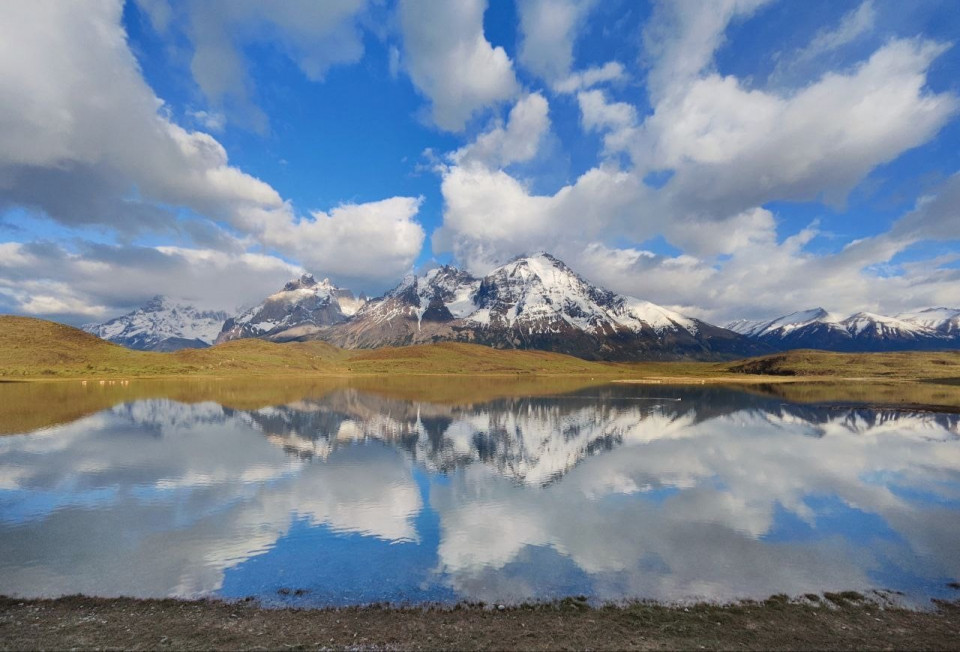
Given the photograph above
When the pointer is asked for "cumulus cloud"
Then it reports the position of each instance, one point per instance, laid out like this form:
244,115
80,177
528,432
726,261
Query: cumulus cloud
609,72
78,117
733,148
356,244
853,25
515,142
98,281
450,60
724,150
763,277
490,216
316,35
682,36
549,30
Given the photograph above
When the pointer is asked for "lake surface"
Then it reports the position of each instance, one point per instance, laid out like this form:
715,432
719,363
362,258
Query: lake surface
339,495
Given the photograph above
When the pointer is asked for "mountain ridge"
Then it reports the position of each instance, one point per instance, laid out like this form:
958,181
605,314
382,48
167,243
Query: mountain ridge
302,307
927,329
532,302
162,324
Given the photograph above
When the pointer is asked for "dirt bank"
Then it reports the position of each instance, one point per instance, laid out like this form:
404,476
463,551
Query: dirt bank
827,623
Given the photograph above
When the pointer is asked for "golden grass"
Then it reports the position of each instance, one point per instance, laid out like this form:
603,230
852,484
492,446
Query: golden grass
912,365
37,349
28,406
249,374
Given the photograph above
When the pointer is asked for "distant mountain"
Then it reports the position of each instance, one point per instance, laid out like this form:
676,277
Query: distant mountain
299,310
535,302
162,324
935,328
945,321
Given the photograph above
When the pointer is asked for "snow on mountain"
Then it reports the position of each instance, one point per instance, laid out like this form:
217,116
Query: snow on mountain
535,302
870,324
863,331
942,320
784,324
162,324
538,292
301,308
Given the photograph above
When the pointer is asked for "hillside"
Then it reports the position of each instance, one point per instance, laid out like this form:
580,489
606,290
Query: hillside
532,303
905,365
36,348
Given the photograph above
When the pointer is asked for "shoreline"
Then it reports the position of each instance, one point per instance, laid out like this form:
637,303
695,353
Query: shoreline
836,620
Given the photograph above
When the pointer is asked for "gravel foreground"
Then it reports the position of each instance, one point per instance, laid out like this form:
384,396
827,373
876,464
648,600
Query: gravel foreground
833,622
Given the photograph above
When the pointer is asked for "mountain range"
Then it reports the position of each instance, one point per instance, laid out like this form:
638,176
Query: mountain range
162,324
300,309
534,302
930,329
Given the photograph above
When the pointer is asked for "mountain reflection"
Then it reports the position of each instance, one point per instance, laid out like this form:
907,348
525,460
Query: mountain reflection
537,440
614,492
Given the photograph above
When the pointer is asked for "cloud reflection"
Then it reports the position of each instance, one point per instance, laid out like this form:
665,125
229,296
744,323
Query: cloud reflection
618,492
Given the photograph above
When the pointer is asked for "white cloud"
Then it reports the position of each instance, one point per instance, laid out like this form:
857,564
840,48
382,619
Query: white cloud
99,281
733,148
489,216
549,30
609,72
728,150
356,244
316,35
596,113
210,120
853,25
451,62
77,116
682,36
516,142
762,277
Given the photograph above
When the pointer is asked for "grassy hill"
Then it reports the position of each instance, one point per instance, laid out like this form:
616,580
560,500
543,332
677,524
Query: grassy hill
238,374
34,348
910,365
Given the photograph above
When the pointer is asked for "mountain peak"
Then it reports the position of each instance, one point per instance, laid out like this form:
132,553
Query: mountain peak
157,302
306,281
161,323
302,307
532,302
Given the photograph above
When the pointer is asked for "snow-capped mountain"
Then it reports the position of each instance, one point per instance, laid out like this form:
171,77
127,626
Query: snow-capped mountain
535,302
299,310
945,321
817,329
162,324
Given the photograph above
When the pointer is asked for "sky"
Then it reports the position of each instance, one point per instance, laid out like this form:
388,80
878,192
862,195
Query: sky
724,158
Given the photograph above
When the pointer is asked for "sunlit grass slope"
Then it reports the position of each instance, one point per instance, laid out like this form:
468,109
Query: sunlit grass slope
912,365
32,348
27,406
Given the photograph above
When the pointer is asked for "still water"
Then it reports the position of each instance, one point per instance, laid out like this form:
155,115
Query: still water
343,495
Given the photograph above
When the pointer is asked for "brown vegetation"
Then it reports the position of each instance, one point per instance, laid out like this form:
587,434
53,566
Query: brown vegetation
836,623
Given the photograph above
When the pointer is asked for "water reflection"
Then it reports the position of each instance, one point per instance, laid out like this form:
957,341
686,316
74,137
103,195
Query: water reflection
349,496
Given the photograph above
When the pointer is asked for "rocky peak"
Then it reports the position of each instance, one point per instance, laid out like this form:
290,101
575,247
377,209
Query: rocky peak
305,282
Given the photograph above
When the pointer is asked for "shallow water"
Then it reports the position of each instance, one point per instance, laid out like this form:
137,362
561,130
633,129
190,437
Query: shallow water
332,495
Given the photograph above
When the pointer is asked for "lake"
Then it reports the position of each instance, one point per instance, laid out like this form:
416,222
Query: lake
495,491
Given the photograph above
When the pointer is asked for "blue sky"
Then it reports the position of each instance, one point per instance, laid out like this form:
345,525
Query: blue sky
734,158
